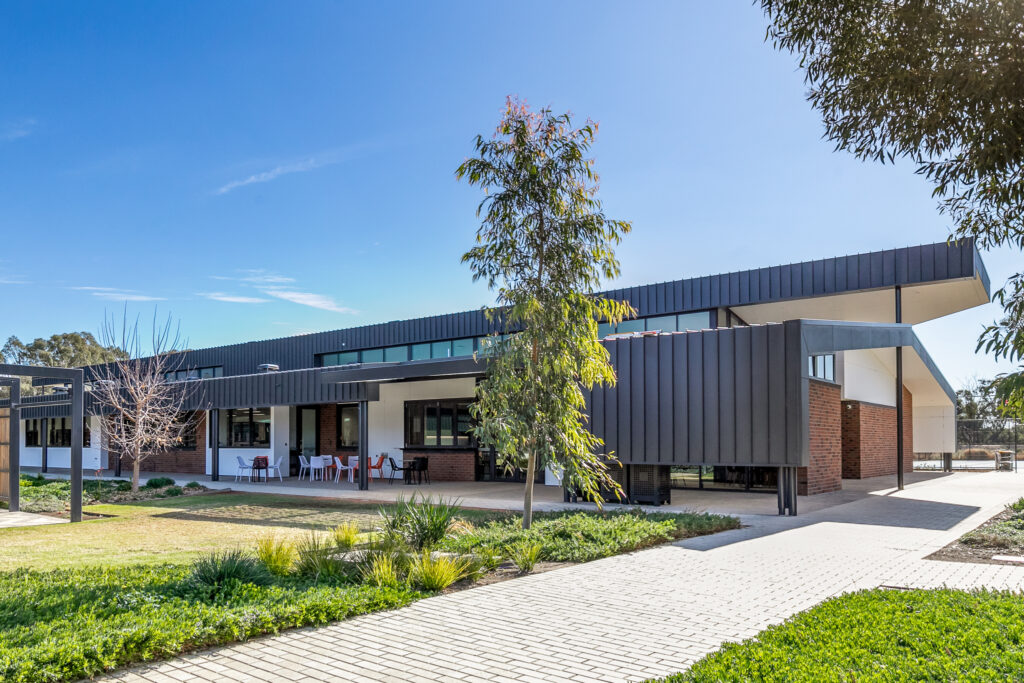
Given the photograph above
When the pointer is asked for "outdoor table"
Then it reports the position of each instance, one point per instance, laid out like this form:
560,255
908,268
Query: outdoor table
260,464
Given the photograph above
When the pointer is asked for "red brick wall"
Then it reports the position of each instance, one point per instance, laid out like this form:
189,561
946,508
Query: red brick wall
869,438
824,473
191,461
446,465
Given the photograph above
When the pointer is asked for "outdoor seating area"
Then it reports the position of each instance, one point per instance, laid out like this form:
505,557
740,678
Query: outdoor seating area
331,468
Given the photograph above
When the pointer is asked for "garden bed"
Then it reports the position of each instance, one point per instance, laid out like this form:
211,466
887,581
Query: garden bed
881,635
1000,535
53,496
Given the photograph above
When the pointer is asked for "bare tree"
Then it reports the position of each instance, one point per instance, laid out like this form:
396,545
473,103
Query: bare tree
143,410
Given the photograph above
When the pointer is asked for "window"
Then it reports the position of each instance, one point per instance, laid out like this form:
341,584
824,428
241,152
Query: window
188,437
420,352
822,367
348,426
693,321
441,349
665,323
32,433
59,432
395,354
462,347
433,424
371,356
245,428
662,323
195,373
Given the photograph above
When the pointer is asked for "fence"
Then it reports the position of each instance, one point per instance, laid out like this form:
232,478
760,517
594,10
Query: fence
981,444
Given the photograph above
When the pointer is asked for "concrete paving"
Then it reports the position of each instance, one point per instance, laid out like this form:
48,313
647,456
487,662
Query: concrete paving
10,520
640,615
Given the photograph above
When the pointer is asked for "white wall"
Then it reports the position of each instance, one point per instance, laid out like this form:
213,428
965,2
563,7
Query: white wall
279,430
387,416
864,377
93,457
934,429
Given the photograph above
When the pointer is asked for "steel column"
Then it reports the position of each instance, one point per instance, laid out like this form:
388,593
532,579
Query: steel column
213,427
899,395
364,454
77,420
14,448
44,443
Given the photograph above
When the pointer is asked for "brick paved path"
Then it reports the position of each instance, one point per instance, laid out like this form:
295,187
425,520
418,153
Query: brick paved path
635,616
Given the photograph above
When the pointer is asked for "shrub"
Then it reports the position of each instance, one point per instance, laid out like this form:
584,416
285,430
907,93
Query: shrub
525,555
489,558
193,485
346,536
220,568
277,556
421,523
159,482
383,572
124,486
317,559
438,571
1017,505
173,491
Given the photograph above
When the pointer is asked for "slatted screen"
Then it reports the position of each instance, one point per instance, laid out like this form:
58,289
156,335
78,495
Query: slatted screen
5,453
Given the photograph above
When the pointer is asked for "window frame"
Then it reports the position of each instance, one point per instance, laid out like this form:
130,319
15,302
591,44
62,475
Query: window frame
440,407
339,421
227,415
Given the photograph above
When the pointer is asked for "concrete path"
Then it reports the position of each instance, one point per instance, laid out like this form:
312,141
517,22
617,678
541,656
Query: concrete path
635,616
9,520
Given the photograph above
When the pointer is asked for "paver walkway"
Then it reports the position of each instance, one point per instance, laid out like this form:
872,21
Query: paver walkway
9,520
635,616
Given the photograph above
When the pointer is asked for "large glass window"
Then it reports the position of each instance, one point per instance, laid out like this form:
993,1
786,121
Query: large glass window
665,323
348,426
372,356
462,347
420,351
395,354
444,424
441,349
32,433
245,428
194,373
59,432
693,321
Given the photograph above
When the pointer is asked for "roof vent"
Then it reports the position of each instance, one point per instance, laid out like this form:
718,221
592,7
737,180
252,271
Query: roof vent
267,367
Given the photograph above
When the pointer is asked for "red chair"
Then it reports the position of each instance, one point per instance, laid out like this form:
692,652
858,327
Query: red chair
378,466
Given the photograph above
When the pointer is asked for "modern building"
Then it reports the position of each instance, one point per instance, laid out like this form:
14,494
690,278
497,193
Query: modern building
785,375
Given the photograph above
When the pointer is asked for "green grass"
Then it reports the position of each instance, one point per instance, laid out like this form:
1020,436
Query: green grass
68,624
576,536
884,636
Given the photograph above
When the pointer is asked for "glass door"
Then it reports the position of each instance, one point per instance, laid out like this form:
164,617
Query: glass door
307,432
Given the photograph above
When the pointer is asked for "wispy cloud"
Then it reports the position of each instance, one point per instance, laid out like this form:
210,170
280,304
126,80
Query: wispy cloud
116,294
276,172
320,301
256,277
14,130
233,298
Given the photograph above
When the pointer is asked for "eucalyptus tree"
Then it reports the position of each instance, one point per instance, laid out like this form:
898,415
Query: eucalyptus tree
941,84
543,245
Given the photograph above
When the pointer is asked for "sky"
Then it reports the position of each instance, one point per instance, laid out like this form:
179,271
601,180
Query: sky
265,169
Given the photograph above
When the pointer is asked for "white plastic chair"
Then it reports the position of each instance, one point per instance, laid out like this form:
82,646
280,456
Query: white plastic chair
338,469
244,468
316,468
275,468
303,466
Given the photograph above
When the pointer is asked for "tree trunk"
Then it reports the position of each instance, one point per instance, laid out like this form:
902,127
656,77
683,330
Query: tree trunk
531,469
135,472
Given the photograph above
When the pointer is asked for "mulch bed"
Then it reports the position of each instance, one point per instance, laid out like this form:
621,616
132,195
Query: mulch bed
961,552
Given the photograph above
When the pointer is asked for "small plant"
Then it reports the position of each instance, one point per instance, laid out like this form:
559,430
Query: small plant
346,536
382,571
158,482
489,558
173,491
217,569
437,572
277,556
124,486
317,559
193,485
525,555
421,523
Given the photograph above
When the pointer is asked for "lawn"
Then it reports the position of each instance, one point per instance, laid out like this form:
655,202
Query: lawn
882,635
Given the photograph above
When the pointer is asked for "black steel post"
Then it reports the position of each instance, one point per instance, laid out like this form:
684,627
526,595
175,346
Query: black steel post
44,427
14,449
364,455
899,396
214,431
780,488
795,490
1015,444
77,423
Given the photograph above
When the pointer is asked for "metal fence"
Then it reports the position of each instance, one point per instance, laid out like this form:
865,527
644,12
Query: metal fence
981,444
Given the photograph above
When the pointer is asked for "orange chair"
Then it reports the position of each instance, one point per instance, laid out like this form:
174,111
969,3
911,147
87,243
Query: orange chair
378,466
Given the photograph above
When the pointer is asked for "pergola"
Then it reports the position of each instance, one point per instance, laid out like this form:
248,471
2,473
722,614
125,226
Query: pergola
10,452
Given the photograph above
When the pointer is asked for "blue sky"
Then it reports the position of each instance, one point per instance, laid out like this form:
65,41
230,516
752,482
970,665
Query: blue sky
267,169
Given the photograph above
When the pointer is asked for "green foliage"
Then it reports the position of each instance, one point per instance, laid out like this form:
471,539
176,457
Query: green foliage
277,555
437,571
882,636
421,523
159,482
583,536
1006,534
318,559
489,558
545,244
524,555
71,624
382,571
228,566
346,536
124,486
172,491
949,100
1017,505
39,494
193,485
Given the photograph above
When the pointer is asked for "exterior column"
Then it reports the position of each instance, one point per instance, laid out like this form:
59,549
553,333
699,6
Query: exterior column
213,425
364,446
44,427
77,420
899,396
14,448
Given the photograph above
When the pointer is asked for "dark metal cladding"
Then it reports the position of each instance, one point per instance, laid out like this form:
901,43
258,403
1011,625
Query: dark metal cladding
904,266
